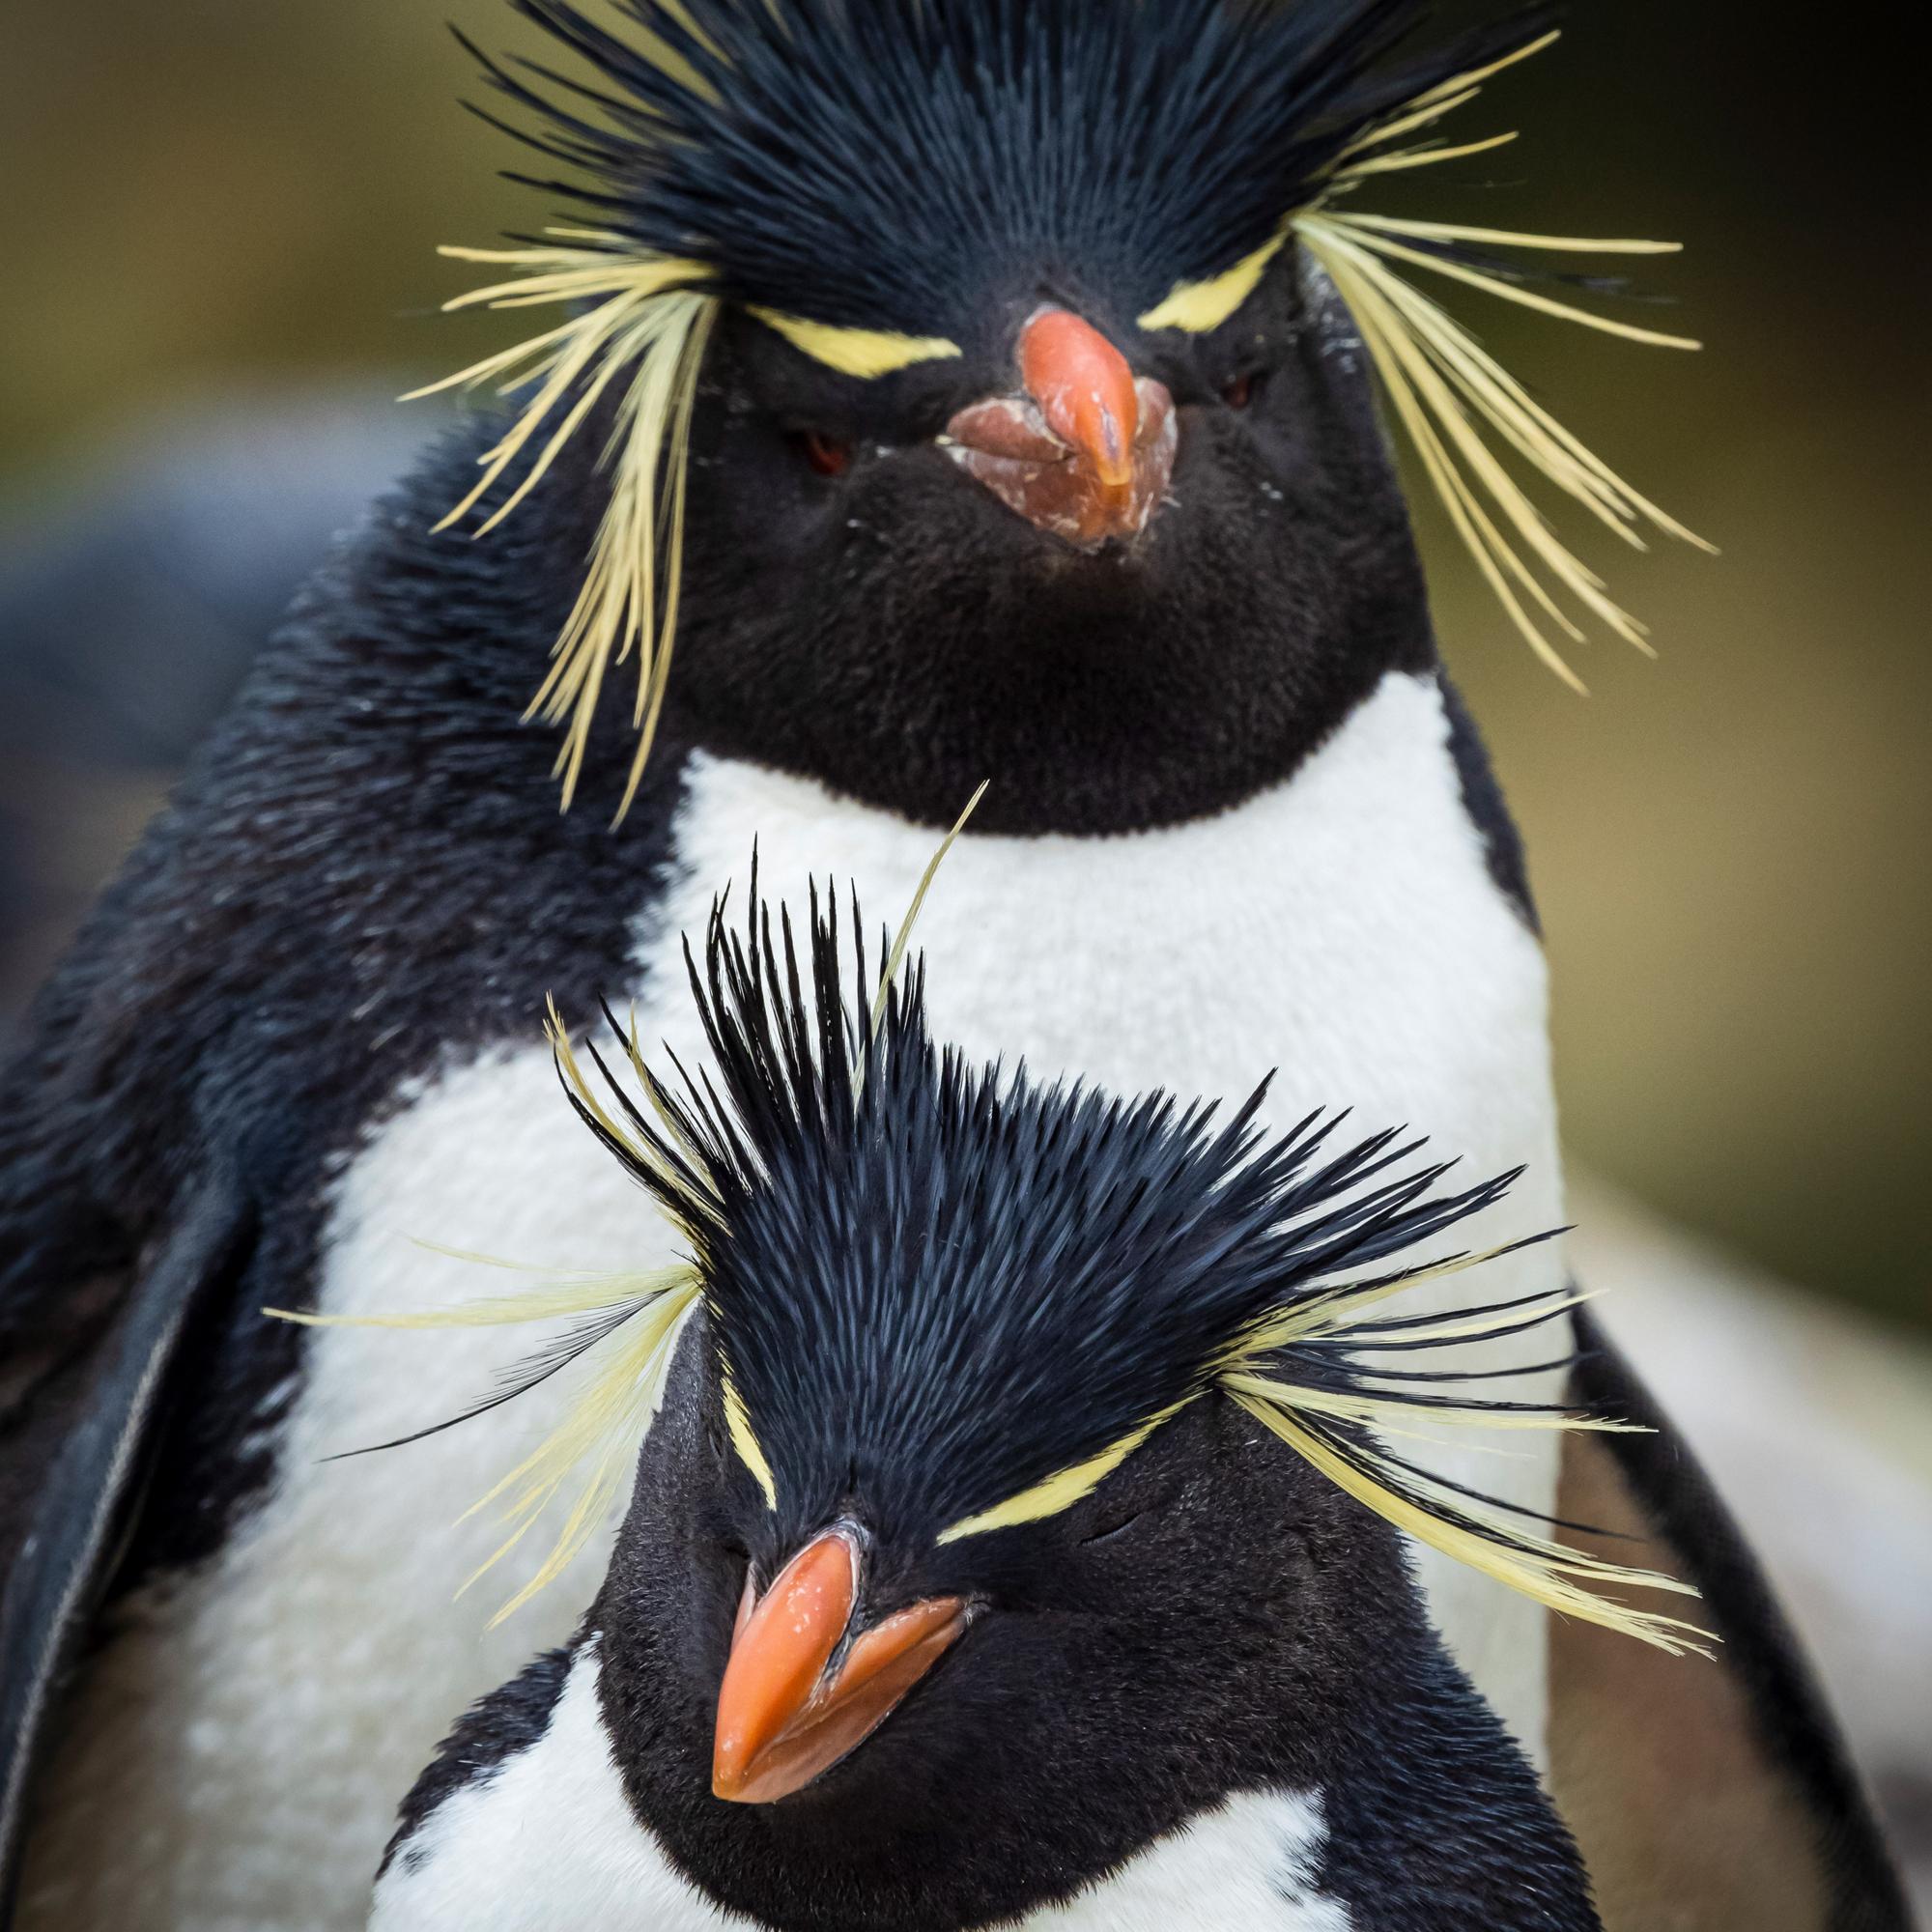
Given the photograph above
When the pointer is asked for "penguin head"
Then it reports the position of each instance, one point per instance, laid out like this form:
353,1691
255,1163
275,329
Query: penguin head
879,592
1003,371
852,1727
1004,1506
1124,508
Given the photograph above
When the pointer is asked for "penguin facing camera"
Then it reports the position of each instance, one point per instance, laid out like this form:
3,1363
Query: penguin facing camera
1010,1545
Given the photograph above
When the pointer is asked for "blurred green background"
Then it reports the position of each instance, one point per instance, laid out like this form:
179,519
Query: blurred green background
210,202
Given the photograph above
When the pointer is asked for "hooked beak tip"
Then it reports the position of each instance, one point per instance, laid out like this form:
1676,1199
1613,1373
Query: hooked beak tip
1086,500
1084,388
1112,459
1084,450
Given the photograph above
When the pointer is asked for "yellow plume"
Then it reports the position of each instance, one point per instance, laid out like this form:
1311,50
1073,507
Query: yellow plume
641,315
603,1426
1451,396
1257,1373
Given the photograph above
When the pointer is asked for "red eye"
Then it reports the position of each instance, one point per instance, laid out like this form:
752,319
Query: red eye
1240,392
827,454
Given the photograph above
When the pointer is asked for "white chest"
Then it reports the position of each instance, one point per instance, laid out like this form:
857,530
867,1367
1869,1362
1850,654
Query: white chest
257,1727
547,1844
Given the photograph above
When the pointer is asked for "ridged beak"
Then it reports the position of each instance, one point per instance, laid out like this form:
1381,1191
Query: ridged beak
784,1711
1085,451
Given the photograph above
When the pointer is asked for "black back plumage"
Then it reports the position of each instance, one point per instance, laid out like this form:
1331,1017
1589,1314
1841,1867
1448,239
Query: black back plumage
873,165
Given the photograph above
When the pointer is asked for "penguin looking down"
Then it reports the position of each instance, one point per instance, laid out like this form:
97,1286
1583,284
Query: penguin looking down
1007,1546
842,360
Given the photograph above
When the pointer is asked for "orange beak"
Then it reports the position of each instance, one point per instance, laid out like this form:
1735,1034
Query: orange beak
1086,452
782,1716
1084,391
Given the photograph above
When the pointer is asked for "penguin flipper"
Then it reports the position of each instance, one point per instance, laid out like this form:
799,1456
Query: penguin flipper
1705,1793
87,1491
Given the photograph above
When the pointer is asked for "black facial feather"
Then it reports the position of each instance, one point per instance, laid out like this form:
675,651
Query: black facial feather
884,165
809,233
937,1291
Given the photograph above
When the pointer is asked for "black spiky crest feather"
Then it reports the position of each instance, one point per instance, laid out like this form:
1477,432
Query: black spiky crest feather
965,1296
876,177
880,165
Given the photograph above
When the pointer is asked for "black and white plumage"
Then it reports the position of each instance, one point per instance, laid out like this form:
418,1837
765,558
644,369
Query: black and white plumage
1038,170
970,1296
1385,1801
1236,819
1196,1671
942,1288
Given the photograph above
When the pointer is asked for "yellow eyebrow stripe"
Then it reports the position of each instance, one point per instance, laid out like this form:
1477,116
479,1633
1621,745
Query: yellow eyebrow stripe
739,1426
1199,306
864,352
1060,1492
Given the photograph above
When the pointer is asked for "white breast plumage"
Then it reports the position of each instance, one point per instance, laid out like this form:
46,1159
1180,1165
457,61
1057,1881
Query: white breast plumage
546,1843
1342,927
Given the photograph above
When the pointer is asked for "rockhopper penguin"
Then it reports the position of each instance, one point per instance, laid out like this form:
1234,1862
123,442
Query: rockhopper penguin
999,1552
984,390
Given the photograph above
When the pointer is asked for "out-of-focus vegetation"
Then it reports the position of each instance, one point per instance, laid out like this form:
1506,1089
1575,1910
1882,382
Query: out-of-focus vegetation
214,198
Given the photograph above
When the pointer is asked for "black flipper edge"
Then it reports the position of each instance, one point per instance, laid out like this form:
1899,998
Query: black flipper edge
86,1503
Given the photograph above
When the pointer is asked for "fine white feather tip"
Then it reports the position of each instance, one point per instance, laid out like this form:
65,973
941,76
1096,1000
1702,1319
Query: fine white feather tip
624,1329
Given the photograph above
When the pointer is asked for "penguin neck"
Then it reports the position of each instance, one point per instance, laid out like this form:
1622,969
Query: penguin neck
1078,731
1427,1815
543,1815
1068,746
